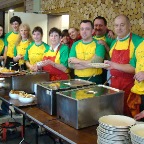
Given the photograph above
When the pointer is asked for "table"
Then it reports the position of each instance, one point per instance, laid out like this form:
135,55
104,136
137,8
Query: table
53,125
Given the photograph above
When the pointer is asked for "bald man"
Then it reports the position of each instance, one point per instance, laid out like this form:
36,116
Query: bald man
121,52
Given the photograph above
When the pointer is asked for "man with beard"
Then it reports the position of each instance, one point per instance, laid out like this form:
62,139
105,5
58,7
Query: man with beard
84,52
104,37
102,34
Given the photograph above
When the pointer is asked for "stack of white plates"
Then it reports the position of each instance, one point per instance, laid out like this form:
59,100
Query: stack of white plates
137,134
114,129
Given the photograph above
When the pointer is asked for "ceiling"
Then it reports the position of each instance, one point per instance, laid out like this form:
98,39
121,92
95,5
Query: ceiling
17,5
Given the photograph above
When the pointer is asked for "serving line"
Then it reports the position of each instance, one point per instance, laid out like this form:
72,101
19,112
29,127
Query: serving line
53,125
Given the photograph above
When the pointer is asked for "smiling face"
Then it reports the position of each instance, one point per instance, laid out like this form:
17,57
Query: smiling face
121,26
73,33
100,27
15,26
37,36
65,39
24,32
86,31
54,38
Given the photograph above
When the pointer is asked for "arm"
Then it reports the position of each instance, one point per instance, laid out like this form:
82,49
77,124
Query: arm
17,58
59,66
31,67
49,62
105,45
140,115
76,63
5,54
121,67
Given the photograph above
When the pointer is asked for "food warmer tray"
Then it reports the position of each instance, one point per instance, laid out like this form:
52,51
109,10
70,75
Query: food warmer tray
83,107
46,92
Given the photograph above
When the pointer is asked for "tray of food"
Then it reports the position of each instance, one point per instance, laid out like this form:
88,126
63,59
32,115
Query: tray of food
8,71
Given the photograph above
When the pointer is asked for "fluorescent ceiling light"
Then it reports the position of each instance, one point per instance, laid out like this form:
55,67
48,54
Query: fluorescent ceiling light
11,10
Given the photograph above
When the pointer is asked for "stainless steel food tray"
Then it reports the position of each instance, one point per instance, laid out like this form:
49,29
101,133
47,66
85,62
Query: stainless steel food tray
83,107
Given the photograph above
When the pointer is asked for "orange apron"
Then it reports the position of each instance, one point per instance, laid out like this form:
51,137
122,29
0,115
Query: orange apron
121,80
55,74
134,101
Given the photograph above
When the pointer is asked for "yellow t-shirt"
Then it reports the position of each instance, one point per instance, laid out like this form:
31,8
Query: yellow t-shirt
138,63
10,41
1,45
20,49
34,53
85,51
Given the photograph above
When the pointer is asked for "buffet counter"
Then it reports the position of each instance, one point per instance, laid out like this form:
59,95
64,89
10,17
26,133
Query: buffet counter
53,125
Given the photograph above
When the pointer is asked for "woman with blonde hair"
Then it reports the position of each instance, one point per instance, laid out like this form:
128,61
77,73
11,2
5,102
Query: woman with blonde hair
24,39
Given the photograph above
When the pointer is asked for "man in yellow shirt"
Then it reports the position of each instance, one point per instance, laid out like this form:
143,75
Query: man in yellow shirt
136,97
84,52
10,40
104,37
121,52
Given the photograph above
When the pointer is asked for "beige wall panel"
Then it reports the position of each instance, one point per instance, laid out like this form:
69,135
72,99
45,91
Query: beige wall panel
89,9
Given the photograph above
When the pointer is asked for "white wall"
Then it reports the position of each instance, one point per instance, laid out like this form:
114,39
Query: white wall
33,20
59,21
43,20
65,22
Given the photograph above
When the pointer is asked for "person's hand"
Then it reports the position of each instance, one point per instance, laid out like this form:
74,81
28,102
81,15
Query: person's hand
139,76
139,116
18,57
1,58
43,63
73,60
111,34
102,42
111,64
33,68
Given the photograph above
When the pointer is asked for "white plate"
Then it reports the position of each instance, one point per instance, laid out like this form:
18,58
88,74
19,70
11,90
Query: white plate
99,65
100,129
113,136
105,126
118,121
112,141
9,73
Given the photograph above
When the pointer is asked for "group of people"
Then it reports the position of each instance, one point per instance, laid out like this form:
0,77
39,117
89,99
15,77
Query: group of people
74,49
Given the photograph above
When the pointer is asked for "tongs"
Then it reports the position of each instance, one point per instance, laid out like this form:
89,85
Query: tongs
107,80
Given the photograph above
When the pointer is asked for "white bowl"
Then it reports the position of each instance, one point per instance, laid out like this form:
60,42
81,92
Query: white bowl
13,95
26,99
137,133
118,121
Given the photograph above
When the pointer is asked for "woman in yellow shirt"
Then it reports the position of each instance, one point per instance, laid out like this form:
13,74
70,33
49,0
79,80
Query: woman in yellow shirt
35,50
24,39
